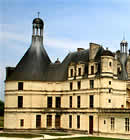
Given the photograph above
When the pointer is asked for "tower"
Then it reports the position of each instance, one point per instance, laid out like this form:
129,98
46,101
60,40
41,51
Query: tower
123,58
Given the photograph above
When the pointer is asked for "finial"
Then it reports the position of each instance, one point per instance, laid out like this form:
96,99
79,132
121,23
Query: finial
38,14
123,35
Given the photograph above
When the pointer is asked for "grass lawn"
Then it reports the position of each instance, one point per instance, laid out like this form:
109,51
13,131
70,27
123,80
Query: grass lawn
20,135
1,121
88,138
56,134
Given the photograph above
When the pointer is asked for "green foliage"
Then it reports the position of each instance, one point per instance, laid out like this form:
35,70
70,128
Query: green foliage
1,108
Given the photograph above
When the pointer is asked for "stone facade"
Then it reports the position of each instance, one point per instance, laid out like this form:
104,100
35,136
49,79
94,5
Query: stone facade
91,96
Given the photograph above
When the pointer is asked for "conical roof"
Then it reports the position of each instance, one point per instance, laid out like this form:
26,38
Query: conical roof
34,64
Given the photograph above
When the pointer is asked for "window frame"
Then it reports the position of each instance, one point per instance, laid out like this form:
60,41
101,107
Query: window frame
20,101
70,101
78,121
91,84
49,120
78,101
49,103
112,123
20,85
70,121
21,122
127,124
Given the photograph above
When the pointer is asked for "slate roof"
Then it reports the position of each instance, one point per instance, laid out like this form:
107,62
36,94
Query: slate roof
36,65
33,65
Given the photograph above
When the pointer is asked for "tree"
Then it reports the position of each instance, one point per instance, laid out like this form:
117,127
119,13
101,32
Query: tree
1,108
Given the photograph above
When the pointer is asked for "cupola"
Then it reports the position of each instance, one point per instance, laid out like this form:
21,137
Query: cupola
38,26
123,46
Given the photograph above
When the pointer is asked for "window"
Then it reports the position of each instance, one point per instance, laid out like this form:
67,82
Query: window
20,101
91,83
127,124
104,121
91,98
38,121
109,90
71,85
112,123
49,120
57,121
78,121
49,102
86,70
20,85
110,64
122,106
78,101
58,102
79,84
70,101
109,82
79,71
21,122
70,121
118,71
109,101
92,69
71,72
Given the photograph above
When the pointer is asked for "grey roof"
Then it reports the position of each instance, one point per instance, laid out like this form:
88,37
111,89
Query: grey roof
59,72
36,65
33,65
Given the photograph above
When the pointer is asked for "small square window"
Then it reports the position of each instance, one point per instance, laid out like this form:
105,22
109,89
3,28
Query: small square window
20,85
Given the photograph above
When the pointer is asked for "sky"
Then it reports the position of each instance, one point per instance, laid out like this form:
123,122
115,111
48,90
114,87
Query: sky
68,25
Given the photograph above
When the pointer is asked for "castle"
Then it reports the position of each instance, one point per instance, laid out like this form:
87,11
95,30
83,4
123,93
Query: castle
89,91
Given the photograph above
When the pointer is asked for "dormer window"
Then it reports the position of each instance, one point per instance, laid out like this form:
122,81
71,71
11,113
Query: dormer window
79,71
92,69
71,72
